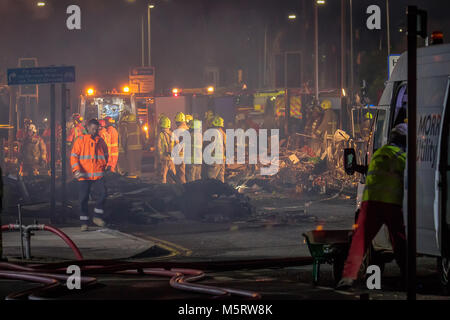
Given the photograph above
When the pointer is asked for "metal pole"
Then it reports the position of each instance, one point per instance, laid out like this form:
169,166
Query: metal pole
316,53
63,147
388,30
53,151
12,92
351,54
142,43
149,38
343,66
412,118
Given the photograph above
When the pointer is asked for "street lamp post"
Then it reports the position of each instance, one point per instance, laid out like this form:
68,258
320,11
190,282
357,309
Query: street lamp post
316,48
150,6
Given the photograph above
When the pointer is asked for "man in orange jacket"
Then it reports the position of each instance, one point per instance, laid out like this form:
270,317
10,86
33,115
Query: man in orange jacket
114,143
103,133
89,161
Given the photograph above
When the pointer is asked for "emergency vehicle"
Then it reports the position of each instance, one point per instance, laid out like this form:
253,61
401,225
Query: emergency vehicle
433,149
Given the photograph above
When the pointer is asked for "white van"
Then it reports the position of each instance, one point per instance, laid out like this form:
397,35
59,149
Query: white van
433,147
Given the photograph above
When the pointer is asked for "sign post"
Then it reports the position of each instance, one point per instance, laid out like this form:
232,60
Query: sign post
415,27
49,75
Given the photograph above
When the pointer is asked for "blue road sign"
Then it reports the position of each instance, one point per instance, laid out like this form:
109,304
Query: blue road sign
41,75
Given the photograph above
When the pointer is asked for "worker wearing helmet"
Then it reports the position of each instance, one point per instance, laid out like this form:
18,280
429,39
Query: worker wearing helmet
217,169
103,133
131,141
77,130
381,204
194,168
114,142
189,118
89,162
180,120
33,153
366,127
209,117
165,147
22,133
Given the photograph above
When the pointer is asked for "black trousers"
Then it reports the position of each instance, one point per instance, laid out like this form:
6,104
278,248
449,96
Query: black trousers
83,193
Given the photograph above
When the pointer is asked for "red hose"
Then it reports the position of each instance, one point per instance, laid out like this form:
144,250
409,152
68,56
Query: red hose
66,239
59,233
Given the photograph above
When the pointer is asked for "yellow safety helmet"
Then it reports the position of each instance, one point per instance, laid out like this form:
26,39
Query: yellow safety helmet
326,104
131,118
164,122
195,124
189,118
180,117
217,122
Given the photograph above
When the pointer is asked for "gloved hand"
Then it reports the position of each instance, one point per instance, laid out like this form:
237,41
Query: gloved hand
108,169
77,174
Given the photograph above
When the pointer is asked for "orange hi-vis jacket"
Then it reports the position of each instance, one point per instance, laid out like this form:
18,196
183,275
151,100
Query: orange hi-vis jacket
114,146
89,156
103,133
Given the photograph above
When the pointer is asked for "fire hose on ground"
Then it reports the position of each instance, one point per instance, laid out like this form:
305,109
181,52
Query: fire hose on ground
182,274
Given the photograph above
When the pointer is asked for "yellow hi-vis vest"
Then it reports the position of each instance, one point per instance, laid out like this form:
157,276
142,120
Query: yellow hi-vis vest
384,181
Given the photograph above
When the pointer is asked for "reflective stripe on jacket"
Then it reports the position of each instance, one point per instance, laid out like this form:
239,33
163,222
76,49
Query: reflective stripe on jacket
133,137
196,146
384,181
114,141
90,157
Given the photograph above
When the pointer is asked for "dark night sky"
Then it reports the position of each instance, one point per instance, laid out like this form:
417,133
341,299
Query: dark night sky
186,35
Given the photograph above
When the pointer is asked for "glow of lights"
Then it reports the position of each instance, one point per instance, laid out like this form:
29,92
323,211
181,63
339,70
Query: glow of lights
292,16
126,89
343,92
151,6
145,128
320,2
175,91
90,91
41,4
210,89
319,228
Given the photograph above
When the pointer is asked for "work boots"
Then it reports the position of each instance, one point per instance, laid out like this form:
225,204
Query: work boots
97,220
84,227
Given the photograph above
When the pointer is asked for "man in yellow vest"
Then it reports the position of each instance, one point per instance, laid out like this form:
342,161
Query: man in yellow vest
217,170
194,169
180,120
165,147
381,204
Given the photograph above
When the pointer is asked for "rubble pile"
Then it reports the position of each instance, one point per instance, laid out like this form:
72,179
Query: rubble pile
300,171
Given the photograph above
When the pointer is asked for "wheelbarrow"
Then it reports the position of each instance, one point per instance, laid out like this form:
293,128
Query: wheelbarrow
328,246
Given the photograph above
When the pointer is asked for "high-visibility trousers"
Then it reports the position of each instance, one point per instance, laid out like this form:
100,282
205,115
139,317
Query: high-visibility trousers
181,172
193,172
372,215
165,166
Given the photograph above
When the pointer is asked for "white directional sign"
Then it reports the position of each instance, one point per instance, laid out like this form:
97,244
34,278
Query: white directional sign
41,75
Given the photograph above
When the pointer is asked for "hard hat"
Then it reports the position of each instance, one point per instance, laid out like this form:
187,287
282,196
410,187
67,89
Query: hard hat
164,122
401,129
195,124
189,118
102,123
77,117
209,114
326,104
217,122
108,119
369,116
131,118
180,117
32,128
